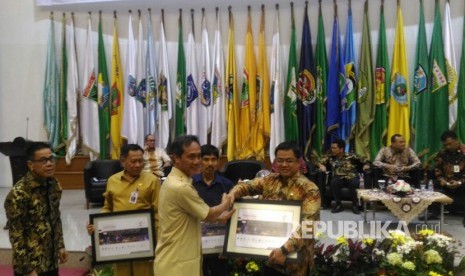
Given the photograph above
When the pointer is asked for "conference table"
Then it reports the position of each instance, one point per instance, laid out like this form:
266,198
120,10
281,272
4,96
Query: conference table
405,208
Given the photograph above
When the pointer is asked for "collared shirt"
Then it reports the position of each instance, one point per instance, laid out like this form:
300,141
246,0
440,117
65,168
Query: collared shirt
179,250
154,161
212,193
36,235
120,189
345,167
298,187
405,158
451,165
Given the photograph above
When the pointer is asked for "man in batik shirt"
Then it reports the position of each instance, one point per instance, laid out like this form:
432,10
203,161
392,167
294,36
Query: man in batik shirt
345,173
32,209
287,184
398,161
450,170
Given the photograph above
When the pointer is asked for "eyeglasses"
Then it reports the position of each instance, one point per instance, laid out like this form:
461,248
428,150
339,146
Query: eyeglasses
287,161
44,160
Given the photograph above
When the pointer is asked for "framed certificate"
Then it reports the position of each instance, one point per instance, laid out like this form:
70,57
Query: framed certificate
213,237
259,226
123,236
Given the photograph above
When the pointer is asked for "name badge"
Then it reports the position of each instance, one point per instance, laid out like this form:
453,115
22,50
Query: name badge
133,197
456,168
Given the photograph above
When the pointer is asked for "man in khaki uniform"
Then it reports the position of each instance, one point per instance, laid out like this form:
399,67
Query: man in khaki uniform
132,189
181,210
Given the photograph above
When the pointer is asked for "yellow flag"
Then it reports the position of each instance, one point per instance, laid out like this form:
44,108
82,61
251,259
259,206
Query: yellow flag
399,102
262,128
116,98
248,98
231,89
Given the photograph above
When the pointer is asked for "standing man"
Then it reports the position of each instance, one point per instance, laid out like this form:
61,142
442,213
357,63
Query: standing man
32,209
398,161
156,159
132,189
211,186
287,184
179,250
344,168
450,171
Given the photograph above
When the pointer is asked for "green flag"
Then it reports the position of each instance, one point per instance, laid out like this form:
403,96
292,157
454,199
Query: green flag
103,94
382,88
51,92
366,95
180,83
439,114
63,91
461,94
321,61
421,96
290,97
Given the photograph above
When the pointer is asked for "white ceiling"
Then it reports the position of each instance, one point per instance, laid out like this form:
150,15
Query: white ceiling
169,5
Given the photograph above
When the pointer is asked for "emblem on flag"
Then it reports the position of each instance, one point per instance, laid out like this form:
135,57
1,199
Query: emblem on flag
399,89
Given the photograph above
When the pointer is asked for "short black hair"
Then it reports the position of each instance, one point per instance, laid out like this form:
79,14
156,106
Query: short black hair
448,134
125,149
147,136
180,142
340,143
394,137
209,150
289,146
36,146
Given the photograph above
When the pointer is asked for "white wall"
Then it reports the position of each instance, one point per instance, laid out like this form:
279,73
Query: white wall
24,31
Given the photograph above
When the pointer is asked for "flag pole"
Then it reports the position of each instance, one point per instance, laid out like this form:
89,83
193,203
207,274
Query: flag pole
163,16
192,19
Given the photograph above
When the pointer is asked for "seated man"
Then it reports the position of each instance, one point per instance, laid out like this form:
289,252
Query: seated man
344,168
450,170
211,186
398,161
155,159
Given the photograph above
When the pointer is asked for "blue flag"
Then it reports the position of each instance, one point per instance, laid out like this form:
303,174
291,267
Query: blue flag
306,87
336,80
349,96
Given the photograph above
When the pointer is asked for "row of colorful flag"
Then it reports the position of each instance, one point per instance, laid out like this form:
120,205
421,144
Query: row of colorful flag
319,101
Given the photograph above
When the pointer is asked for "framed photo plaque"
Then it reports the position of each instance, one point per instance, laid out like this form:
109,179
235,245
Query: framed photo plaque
213,237
259,226
123,236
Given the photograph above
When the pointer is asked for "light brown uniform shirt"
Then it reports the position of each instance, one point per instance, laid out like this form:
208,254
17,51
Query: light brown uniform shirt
181,210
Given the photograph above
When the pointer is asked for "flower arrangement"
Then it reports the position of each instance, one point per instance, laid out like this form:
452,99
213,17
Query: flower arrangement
246,266
400,187
424,254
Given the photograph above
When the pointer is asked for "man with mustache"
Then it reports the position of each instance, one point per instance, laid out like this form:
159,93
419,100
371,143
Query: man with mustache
211,186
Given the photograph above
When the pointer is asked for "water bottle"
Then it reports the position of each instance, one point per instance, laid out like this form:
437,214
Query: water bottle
430,186
362,181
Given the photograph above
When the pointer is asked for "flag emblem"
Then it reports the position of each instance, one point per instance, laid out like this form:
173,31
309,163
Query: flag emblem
306,88
439,79
399,89
420,80
192,92
380,76
205,97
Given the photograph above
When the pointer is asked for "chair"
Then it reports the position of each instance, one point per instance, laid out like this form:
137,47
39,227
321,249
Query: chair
325,189
242,169
96,174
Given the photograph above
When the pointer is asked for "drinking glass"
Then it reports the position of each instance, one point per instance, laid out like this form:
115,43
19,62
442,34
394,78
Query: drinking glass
382,184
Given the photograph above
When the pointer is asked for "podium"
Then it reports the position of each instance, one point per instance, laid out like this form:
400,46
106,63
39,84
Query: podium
16,151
